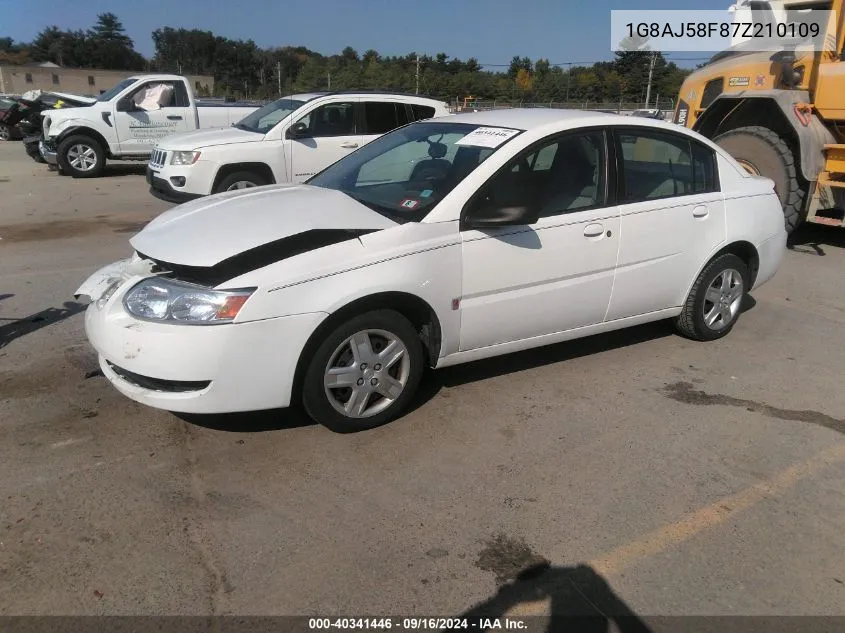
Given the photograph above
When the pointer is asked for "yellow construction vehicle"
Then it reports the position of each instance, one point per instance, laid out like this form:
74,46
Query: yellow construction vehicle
781,115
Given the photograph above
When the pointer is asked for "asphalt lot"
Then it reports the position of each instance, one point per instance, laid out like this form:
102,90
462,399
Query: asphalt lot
682,477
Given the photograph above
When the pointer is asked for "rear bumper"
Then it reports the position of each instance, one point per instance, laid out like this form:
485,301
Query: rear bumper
48,152
163,190
771,253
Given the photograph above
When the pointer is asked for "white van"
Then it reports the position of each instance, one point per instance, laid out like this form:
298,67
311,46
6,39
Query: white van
286,141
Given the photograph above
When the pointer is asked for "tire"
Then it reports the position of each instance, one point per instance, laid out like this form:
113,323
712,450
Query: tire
247,178
81,157
34,154
383,327
5,133
762,151
706,295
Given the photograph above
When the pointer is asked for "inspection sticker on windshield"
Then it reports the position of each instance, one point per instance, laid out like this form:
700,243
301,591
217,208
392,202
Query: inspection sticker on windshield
487,137
409,203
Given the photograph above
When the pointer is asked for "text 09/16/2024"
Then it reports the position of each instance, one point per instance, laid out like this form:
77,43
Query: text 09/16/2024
417,623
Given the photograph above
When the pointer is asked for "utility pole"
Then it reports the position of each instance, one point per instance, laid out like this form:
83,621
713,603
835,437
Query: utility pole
650,73
330,81
568,80
279,71
417,75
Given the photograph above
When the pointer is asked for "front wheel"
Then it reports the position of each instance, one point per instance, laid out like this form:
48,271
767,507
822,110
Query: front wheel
364,373
5,132
239,180
81,157
715,300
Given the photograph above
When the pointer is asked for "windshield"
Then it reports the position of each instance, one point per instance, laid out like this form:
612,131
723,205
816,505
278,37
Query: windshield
114,90
266,117
6,103
405,173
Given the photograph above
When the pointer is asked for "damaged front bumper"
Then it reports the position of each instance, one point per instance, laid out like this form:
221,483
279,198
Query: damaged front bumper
175,367
109,278
47,149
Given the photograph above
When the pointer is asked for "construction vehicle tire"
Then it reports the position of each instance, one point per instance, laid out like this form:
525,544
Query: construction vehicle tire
761,151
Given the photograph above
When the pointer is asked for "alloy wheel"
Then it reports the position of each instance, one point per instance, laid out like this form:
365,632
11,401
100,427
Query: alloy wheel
82,157
367,373
241,184
723,299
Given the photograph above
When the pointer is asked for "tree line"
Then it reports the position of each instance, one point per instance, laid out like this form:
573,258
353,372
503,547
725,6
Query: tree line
243,69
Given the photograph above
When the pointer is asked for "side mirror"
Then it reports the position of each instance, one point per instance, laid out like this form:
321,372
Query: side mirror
488,216
297,130
125,105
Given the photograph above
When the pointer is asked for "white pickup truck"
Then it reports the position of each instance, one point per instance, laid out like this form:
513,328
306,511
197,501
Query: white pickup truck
286,141
127,121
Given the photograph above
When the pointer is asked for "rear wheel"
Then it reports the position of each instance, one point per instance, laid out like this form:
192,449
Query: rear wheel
5,132
763,153
240,180
364,373
715,300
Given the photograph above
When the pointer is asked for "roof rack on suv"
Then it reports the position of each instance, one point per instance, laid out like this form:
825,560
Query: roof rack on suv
393,93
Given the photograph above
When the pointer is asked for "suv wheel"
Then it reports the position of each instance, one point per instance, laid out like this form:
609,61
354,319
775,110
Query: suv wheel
240,180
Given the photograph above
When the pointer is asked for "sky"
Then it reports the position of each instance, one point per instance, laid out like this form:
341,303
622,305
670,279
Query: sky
492,31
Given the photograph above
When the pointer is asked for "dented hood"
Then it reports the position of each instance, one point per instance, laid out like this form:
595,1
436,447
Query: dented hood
209,230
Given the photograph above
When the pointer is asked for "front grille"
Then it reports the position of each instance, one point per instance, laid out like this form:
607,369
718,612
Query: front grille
158,384
157,158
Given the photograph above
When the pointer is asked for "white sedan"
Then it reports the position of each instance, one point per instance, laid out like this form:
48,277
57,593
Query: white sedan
443,242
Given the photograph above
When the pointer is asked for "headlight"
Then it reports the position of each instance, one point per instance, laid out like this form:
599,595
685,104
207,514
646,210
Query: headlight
184,158
160,299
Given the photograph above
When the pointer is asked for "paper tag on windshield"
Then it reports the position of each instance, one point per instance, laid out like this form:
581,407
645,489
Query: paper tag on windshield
487,137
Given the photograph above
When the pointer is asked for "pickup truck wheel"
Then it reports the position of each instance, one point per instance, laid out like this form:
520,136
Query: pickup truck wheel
239,180
81,157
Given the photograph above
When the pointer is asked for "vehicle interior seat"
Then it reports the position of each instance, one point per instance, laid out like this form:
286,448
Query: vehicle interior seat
435,168
572,179
334,123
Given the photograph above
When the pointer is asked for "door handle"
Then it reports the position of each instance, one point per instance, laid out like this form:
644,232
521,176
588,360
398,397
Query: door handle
700,212
349,144
174,117
593,230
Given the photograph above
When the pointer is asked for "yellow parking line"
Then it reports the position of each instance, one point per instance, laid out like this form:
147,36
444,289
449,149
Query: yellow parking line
718,512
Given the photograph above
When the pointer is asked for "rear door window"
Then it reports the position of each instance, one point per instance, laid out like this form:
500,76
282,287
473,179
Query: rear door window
654,165
381,117
422,112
